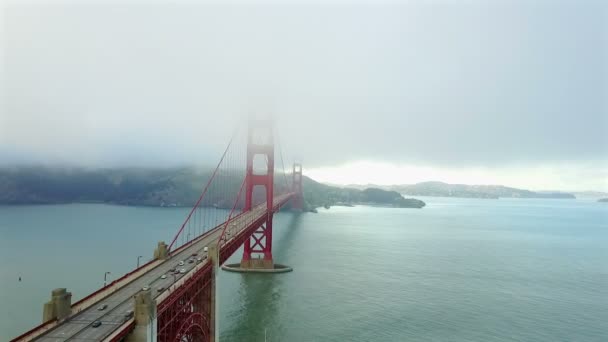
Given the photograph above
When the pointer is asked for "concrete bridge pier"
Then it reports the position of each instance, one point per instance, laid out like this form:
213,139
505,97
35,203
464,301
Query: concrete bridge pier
145,318
214,324
59,307
161,252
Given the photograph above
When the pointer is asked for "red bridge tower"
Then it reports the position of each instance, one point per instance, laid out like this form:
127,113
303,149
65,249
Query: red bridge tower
260,143
297,202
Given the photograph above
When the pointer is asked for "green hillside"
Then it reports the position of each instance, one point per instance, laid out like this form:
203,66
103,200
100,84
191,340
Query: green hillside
165,187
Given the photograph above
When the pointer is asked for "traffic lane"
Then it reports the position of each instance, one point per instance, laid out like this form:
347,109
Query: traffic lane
116,299
109,323
80,325
117,317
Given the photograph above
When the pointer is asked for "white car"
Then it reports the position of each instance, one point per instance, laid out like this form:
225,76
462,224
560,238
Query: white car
182,271
205,249
181,263
145,288
164,276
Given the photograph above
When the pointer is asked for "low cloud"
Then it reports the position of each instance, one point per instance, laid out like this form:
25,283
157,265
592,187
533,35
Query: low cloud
439,85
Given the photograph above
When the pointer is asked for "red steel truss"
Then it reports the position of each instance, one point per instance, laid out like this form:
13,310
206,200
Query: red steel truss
187,314
262,237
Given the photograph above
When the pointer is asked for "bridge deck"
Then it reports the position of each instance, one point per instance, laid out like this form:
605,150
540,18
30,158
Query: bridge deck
78,327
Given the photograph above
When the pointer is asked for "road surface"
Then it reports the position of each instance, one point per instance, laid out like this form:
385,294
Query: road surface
79,326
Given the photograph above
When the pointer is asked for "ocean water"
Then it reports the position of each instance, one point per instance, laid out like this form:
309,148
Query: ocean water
457,270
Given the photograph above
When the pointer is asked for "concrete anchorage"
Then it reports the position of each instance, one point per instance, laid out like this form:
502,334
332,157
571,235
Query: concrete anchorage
145,317
59,307
161,252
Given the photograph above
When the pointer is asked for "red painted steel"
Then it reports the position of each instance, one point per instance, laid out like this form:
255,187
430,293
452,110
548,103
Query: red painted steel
229,247
222,238
193,329
297,202
113,282
186,314
262,237
98,291
201,196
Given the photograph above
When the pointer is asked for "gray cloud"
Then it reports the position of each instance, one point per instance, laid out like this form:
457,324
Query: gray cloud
440,83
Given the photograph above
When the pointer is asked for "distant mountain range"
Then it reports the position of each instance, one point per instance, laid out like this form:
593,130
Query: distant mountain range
590,194
171,187
441,189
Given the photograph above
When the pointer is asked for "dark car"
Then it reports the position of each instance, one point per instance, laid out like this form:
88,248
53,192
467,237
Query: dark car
96,324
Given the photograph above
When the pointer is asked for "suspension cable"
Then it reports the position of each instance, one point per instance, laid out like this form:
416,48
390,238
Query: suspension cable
187,220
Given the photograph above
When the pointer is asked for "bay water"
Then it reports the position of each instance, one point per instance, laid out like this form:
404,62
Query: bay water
456,270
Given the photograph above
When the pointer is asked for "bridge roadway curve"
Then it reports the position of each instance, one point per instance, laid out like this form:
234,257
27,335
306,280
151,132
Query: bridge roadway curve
79,326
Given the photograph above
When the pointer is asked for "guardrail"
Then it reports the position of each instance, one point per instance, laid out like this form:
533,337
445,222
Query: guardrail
89,300
119,283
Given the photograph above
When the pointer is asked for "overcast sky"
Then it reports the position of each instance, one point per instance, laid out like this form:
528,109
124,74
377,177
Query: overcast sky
511,92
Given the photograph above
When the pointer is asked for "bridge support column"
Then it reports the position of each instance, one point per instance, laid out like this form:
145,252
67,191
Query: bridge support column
161,252
262,246
257,251
60,305
297,202
145,318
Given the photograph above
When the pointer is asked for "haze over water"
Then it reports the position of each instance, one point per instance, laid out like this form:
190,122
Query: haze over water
457,270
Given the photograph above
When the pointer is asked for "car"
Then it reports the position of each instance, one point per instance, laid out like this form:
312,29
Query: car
164,276
102,307
96,324
181,263
129,314
172,269
199,259
190,261
206,249
194,254
145,288
182,271
176,271
161,289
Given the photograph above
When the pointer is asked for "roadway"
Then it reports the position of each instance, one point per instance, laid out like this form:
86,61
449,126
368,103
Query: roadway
79,326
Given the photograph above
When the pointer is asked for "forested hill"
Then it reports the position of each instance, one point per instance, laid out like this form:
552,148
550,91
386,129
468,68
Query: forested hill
475,191
163,187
